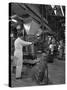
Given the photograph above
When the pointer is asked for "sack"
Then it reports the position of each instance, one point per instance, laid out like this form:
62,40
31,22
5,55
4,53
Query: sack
39,70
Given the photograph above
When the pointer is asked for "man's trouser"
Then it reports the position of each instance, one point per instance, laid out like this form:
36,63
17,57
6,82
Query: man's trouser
18,62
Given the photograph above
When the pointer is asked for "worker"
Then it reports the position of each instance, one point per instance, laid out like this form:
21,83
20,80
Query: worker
60,49
18,53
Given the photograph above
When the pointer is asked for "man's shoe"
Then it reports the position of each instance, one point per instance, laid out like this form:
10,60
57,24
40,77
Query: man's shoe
19,78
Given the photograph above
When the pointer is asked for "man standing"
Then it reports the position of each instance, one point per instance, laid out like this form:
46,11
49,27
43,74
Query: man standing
18,53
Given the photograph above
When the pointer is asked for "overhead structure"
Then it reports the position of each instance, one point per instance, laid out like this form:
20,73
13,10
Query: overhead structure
24,11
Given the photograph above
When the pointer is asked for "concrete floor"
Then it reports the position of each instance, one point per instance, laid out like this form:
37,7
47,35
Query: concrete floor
56,74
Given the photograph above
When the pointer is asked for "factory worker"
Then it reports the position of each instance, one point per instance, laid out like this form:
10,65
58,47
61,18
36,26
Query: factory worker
52,45
18,53
60,48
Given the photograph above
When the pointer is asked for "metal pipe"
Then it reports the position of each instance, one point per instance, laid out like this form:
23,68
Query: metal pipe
62,10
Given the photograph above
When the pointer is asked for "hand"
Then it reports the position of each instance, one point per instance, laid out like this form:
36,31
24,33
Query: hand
32,42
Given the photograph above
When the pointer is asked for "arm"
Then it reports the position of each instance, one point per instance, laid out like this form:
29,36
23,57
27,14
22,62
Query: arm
25,43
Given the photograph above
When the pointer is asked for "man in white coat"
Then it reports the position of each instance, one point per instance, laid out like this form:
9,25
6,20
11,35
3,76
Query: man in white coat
18,53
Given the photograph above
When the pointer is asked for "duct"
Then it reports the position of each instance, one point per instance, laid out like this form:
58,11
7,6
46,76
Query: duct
27,27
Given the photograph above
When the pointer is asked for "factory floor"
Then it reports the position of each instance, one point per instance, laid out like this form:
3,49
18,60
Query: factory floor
56,75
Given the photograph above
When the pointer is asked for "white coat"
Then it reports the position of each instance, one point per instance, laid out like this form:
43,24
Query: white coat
18,54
